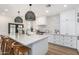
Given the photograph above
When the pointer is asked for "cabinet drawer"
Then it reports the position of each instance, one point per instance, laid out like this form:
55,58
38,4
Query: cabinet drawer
71,45
57,36
67,44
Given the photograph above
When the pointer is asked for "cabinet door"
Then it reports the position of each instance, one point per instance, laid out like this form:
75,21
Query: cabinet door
12,29
63,23
78,45
62,39
40,47
57,39
41,21
70,26
50,39
77,21
70,42
67,22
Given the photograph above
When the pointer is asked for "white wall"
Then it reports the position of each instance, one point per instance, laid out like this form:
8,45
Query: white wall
53,22
4,20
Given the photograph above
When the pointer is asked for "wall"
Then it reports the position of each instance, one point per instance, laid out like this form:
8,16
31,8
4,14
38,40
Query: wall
53,22
4,20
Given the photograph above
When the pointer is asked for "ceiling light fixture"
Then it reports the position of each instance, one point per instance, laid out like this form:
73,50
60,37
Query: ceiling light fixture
47,11
3,13
30,15
18,19
5,10
65,5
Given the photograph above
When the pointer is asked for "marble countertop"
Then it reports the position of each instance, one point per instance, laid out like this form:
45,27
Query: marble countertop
27,40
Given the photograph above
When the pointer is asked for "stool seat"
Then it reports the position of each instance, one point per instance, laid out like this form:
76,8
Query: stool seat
20,49
24,49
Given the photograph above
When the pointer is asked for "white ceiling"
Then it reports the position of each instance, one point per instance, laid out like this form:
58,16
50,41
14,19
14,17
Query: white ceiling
39,9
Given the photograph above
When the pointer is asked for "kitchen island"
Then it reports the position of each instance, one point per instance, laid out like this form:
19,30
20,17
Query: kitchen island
37,43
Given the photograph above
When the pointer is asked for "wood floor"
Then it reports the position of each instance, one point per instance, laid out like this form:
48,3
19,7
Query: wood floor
60,50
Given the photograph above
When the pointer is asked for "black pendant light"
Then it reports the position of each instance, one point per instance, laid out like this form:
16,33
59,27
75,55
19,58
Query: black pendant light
30,15
18,19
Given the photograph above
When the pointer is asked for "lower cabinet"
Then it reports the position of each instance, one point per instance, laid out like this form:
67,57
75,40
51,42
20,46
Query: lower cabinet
50,39
68,41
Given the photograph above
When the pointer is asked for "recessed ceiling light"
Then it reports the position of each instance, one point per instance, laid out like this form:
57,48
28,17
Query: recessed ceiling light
3,13
47,11
65,5
6,10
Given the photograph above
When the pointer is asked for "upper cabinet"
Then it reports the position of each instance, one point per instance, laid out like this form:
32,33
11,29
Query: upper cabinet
77,22
68,22
41,21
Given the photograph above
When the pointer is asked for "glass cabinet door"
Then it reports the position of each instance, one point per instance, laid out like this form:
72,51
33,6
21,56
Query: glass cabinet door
12,29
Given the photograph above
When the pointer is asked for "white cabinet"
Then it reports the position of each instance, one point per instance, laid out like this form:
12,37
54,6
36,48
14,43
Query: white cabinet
78,45
70,41
12,29
41,21
63,40
77,22
50,39
67,22
56,39
40,48
77,27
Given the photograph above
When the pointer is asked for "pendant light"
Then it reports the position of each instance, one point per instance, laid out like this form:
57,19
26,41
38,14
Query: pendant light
30,15
18,19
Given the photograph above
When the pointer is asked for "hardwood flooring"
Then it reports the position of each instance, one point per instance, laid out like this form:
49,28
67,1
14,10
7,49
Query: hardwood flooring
54,49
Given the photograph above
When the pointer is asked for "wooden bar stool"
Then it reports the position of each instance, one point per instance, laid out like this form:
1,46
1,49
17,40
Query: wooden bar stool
6,45
2,44
11,47
20,49
23,50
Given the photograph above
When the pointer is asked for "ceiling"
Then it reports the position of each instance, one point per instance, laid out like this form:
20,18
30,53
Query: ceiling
39,9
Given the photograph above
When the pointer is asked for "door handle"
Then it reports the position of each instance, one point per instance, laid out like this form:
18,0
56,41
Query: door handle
77,37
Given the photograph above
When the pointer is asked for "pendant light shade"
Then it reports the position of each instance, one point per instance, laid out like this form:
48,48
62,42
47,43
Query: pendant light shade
30,15
18,19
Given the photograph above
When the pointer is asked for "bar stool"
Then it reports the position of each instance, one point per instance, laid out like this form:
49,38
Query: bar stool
14,48
24,49
19,49
11,47
6,45
2,44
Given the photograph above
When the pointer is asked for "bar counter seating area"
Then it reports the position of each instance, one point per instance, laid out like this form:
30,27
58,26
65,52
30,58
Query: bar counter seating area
10,47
